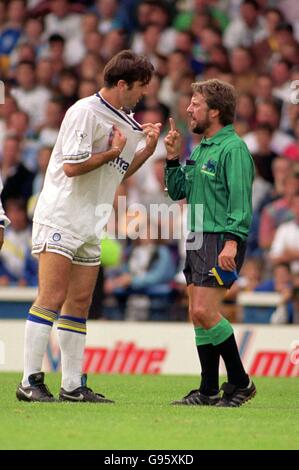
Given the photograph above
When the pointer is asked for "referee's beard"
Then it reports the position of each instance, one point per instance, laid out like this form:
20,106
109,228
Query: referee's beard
201,126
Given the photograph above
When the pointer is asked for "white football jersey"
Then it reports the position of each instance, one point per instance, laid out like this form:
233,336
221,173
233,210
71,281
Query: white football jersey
81,205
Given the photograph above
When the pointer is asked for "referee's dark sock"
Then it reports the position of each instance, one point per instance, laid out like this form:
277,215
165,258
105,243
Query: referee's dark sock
209,360
224,342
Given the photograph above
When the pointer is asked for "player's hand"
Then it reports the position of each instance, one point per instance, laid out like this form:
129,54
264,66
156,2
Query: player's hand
152,132
226,258
118,140
173,141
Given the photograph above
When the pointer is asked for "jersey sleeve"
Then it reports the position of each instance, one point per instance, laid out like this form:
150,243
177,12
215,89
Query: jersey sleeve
239,172
80,131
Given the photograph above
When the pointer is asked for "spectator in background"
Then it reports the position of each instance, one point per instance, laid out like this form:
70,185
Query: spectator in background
23,52
16,245
17,179
285,246
245,110
268,113
6,109
284,36
219,56
150,100
250,277
11,30
149,42
264,194
60,20
242,68
281,168
265,48
87,87
67,88
18,125
2,14
177,65
107,13
263,89
91,68
148,270
246,29
30,97
281,75
210,37
264,157
53,118
33,34
281,282
114,42
56,47
89,24
155,12
45,72
278,212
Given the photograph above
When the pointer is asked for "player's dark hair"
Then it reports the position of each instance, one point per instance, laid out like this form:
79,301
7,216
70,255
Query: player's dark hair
218,95
127,66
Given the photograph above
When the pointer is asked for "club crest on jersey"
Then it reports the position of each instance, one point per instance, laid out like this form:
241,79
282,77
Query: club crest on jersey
80,135
120,164
209,168
56,237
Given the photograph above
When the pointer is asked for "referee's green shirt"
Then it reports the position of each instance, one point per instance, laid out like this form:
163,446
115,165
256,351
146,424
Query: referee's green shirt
219,175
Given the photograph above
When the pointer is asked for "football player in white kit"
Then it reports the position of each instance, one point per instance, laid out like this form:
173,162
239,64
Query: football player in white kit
95,150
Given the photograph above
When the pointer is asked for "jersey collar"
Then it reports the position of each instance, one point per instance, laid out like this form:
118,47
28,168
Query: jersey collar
219,136
125,117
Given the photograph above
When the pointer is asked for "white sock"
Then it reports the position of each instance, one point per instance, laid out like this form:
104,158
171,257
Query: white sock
35,345
72,347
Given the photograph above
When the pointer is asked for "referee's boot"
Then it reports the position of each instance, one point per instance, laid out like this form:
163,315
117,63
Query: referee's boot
83,394
36,391
195,397
234,397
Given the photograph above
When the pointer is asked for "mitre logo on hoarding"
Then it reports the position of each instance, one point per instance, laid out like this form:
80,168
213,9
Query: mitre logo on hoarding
124,358
274,364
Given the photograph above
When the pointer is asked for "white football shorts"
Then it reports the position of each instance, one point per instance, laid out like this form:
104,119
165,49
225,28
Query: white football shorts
54,240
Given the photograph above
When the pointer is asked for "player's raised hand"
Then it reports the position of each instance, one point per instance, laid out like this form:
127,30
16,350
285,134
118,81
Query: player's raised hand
118,140
173,141
152,132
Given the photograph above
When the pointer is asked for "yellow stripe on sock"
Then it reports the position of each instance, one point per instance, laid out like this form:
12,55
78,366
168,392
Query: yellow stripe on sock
40,310
40,315
70,328
73,323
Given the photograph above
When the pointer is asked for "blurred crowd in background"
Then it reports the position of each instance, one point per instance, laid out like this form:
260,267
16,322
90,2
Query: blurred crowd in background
53,52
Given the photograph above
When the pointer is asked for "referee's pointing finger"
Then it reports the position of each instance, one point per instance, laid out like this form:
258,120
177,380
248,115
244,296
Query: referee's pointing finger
172,124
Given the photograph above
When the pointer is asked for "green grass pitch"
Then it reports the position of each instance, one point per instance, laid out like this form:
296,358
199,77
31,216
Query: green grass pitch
143,419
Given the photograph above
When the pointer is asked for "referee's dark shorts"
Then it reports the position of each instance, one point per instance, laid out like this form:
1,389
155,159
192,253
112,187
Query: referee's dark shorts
199,261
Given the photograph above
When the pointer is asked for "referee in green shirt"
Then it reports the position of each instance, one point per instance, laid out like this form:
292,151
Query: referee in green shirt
219,176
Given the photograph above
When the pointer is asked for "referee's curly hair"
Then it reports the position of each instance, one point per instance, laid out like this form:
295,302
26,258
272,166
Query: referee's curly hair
218,95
